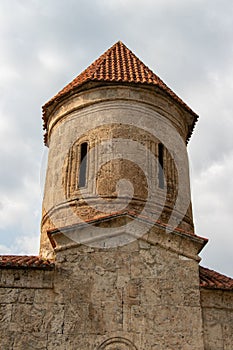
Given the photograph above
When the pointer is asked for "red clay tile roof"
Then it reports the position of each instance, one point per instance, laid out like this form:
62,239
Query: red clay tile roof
214,280
120,65
17,261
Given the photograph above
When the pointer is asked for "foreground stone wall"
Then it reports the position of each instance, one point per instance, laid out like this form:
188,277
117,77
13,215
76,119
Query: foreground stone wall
217,310
138,296
27,308
138,293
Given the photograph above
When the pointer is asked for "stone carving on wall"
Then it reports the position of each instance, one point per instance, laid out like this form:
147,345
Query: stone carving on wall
117,343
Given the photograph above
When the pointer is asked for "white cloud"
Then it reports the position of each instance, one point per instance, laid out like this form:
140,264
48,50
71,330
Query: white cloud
52,60
24,245
212,200
27,245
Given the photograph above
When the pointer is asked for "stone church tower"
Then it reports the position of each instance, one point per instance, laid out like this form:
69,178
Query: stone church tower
116,138
118,267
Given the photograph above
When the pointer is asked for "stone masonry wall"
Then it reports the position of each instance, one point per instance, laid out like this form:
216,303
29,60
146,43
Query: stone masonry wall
217,311
27,308
139,296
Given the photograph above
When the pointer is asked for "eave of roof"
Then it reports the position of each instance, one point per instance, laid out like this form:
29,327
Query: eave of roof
117,65
211,279
129,213
133,215
25,262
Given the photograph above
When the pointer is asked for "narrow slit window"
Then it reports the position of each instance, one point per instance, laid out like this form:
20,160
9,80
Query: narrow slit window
161,168
83,165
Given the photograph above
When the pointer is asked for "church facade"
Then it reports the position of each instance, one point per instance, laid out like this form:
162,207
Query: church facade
118,267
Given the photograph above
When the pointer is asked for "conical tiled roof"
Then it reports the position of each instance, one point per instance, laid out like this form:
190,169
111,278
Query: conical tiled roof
118,64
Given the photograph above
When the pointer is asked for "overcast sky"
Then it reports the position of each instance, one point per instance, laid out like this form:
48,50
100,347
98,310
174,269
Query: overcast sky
45,44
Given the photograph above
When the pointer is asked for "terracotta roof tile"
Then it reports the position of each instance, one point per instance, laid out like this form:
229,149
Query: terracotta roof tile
117,64
24,261
214,280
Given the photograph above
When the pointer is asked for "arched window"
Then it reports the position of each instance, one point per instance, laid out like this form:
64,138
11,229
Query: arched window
161,169
83,165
